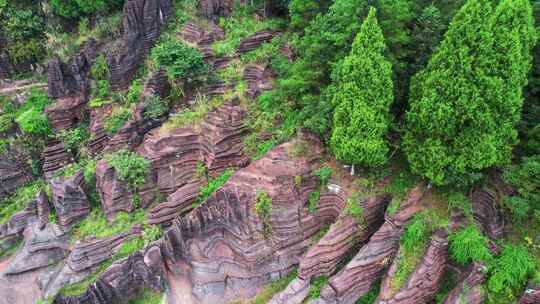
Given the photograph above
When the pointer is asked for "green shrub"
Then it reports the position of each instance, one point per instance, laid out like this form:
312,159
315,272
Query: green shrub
313,201
118,118
100,69
23,30
263,208
524,178
316,286
102,89
130,167
154,107
324,174
77,8
200,170
134,93
75,139
213,185
354,209
509,273
151,233
181,61
31,117
469,245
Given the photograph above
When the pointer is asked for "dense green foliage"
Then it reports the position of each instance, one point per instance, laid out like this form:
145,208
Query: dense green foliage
155,107
316,285
364,93
469,245
465,104
524,177
22,26
263,209
77,8
116,120
181,61
213,185
31,117
130,167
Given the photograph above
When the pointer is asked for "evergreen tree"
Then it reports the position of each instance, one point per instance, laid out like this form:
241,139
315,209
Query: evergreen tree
301,12
362,99
459,120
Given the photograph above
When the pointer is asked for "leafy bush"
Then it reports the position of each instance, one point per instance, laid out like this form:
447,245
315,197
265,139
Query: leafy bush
130,167
100,69
316,286
96,224
354,209
77,8
30,115
509,273
469,245
524,178
263,208
154,107
23,30
181,61
324,174
134,93
213,185
74,139
117,120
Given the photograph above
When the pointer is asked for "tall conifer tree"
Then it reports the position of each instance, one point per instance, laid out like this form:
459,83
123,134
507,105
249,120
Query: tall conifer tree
363,95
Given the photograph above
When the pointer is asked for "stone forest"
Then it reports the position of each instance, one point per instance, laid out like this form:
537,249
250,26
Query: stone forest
269,151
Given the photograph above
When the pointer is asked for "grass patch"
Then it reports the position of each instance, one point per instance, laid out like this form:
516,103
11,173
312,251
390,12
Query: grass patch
130,167
273,288
190,117
316,286
18,200
96,224
371,296
118,118
468,245
213,185
149,297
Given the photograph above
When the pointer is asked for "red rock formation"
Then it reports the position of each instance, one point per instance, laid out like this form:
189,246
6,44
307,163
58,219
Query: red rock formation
66,112
255,41
55,157
14,169
98,137
487,214
142,22
212,9
66,80
84,258
222,250
217,142
69,199
116,196
423,283
469,288
356,278
258,78
41,247
124,280
37,210
531,294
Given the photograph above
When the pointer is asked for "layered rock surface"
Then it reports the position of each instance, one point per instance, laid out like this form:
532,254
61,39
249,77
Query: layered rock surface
69,199
469,288
36,210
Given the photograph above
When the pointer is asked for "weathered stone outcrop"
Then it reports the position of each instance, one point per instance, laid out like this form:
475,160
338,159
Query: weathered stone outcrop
132,133
69,199
356,278
259,80
217,142
42,247
69,80
202,37
213,9
98,137
487,214
343,236
37,210
531,294
142,23
116,195
14,169
124,280
223,250
255,41
83,260
423,283
55,157
469,288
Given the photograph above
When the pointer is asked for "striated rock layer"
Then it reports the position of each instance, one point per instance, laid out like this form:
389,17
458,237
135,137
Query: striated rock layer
531,294
69,199
469,288
216,142
142,23
37,210
356,278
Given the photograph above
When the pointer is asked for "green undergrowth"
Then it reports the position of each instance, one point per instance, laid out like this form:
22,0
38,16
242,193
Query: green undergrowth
96,224
117,119
316,285
18,200
191,117
469,245
273,288
323,175
11,249
414,242
213,184
448,283
263,209
240,25
149,297
130,167
371,296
